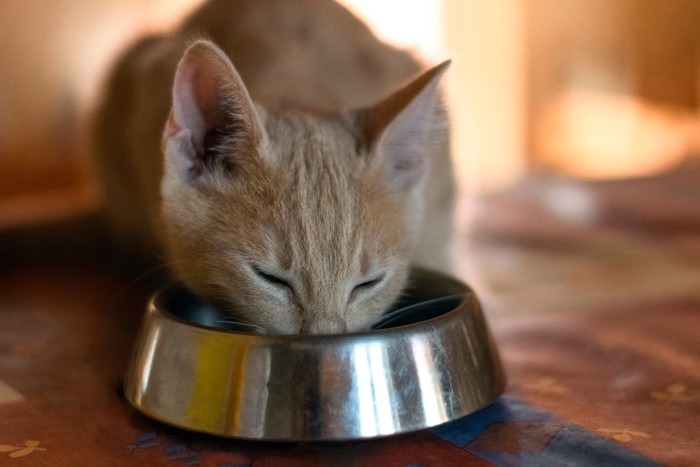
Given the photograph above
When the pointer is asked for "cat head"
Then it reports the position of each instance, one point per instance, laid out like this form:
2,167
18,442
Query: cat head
296,222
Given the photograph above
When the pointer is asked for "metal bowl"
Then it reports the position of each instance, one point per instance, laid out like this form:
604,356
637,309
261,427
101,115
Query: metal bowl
430,361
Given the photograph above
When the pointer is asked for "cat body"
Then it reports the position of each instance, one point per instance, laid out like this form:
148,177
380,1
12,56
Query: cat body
300,171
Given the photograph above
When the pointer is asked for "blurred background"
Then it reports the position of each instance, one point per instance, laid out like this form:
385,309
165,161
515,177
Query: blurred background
576,149
593,89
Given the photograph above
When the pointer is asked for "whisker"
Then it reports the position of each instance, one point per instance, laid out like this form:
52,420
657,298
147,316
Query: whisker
240,322
140,278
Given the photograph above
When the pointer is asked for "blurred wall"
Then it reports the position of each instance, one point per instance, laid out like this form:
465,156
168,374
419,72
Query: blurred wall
53,55
485,41
612,85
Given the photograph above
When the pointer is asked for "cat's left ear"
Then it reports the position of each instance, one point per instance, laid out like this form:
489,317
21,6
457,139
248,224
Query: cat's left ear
211,107
401,130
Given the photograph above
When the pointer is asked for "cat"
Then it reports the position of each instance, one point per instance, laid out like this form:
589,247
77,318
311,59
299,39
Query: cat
303,167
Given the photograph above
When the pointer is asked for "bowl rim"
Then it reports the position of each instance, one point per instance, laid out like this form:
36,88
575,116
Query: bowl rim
155,303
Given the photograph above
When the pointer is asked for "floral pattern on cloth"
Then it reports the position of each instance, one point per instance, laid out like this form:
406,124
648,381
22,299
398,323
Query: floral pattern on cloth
29,447
677,392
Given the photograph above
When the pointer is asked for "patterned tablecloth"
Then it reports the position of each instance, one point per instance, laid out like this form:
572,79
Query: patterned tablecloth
592,291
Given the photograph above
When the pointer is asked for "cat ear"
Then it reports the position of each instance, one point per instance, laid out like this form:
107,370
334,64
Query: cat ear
211,107
400,130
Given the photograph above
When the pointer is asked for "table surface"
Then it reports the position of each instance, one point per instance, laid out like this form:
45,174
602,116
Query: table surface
592,291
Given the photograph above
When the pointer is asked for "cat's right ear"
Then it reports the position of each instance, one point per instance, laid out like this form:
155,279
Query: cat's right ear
211,110
403,129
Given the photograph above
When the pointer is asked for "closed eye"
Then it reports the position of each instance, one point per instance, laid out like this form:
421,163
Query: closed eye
365,286
368,284
272,279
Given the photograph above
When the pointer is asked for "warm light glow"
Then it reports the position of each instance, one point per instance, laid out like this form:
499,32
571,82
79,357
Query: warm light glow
487,94
164,15
597,134
415,25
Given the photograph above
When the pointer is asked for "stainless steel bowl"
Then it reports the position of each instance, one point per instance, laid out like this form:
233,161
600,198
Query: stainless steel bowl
430,361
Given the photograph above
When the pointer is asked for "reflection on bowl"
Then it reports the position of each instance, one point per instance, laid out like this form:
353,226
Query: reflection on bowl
429,361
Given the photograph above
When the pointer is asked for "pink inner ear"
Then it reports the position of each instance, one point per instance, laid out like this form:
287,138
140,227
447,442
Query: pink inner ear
401,127
197,105
211,106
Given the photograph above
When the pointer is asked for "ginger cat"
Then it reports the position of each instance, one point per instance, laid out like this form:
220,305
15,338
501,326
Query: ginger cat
303,167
